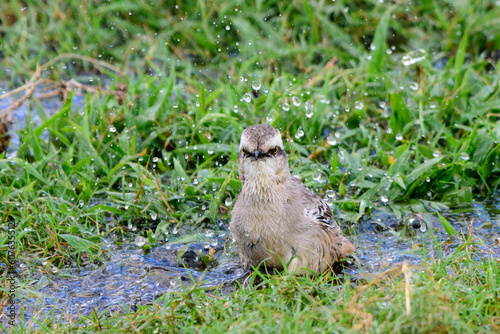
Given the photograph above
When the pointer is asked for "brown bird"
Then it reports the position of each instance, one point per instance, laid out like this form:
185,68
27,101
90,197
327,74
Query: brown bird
276,218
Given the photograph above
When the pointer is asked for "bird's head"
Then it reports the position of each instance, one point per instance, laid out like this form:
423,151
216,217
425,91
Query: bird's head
262,154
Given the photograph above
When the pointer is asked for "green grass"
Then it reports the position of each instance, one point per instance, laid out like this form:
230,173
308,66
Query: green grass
411,137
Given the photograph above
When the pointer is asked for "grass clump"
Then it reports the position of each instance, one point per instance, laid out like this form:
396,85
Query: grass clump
383,104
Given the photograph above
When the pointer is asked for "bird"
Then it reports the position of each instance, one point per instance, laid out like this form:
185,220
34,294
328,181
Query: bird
276,219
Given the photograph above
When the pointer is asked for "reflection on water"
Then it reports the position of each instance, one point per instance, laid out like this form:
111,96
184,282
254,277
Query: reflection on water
132,277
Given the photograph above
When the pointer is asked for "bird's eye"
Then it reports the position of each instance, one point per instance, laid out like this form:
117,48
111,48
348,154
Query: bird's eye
275,150
242,151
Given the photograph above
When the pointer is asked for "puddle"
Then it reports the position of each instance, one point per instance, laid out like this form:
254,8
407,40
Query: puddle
129,278
132,277
384,241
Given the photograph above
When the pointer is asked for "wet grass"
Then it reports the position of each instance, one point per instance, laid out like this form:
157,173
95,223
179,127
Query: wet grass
366,113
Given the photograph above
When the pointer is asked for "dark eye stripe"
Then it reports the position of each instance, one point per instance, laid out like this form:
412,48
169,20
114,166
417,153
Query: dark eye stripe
270,153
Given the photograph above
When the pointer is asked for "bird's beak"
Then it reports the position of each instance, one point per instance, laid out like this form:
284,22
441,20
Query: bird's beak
256,154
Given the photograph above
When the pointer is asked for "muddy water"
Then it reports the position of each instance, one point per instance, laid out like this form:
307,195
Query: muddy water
132,277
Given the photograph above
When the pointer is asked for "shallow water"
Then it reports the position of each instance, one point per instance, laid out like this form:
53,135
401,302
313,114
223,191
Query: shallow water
132,277
129,278
384,241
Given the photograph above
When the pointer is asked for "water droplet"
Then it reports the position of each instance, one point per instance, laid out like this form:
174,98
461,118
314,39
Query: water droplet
175,230
296,101
358,105
112,128
285,106
228,201
384,198
228,28
328,201
140,241
382,104
153,215
464,156
413,86
299,133
331,194
155,159
433,104
53,268
256,85
436,154
399,136
247,97
413,57
195,181
428,179
309,109
210,151
331,140
317,177
340,155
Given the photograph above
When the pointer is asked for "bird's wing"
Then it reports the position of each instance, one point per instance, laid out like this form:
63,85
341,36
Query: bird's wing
314,206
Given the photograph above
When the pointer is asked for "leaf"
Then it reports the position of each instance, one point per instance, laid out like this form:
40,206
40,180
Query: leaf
66,108
179,170
233,183
400,113
32,171
401,163
447,226
464,196
105,208
399,180
379,41
420,170
81,245
217,199
314,24
459,58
